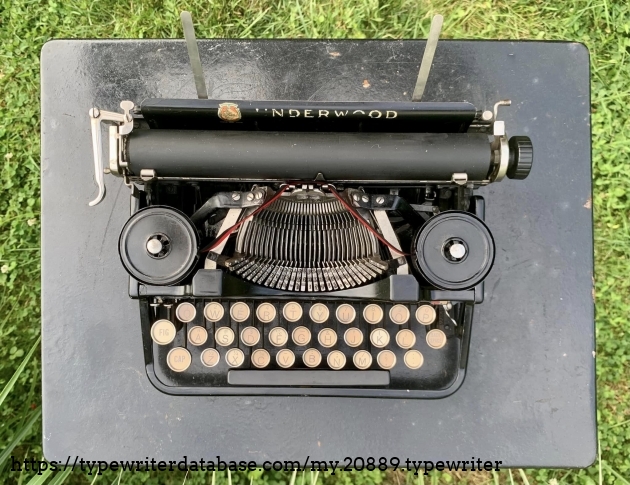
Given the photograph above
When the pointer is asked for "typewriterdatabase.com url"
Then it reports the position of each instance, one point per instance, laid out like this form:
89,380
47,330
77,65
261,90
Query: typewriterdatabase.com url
417,466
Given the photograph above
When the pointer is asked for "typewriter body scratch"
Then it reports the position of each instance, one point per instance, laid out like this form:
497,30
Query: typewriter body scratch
306,248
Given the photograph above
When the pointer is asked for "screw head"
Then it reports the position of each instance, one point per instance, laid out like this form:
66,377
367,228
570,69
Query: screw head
380,200
250,196
236,196
356,197
365,199
154,246
486,115
259,195
458,251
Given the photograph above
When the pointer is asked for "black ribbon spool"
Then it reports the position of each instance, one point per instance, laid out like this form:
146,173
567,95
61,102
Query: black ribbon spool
158,246
458,269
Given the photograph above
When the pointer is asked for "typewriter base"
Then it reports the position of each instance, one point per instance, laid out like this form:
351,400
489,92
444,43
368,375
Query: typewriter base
529,394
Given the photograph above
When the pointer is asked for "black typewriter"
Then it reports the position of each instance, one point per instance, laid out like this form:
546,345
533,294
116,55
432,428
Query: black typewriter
306,248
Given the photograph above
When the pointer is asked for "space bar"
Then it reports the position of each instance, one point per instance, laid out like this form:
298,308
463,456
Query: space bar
323,378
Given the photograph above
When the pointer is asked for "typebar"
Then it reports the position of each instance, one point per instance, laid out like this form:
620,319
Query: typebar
325,378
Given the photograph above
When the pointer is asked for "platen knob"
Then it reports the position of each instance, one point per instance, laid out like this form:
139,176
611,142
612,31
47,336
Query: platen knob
521,157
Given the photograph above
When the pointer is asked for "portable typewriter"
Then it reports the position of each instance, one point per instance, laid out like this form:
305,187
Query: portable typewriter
306,248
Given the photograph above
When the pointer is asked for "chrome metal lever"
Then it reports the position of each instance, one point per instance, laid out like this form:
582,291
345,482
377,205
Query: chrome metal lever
124,123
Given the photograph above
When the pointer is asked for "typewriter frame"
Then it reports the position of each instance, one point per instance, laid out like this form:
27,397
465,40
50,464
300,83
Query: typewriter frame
484,122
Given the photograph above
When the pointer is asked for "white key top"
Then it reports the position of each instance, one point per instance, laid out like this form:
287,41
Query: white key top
405,339
436,338
260,358
379,337
186,312
210,357
386,359
214,311
163,332
319,313
336,360
250,336
266,312
301,336
353,337
235,357
197,335
399,314
178,359
425,314
373,314
312,358
239,311
224,336
285,358
327,337
413,359
292,311
278,336
346,313
362,359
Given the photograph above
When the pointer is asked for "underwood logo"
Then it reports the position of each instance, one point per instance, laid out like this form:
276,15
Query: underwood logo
325,113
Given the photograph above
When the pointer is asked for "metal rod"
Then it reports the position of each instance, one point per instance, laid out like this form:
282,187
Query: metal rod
193,54
427,58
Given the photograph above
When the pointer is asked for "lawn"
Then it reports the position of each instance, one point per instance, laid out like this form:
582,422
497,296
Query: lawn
25,25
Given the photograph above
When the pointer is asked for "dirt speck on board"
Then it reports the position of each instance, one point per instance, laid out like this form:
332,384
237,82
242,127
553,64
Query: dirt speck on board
589,203
334,54
366,83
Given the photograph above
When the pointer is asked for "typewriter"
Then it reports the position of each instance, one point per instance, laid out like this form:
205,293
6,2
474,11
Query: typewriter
306,248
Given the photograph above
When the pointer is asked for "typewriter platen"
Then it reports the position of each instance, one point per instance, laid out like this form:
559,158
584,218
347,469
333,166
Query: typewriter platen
306,248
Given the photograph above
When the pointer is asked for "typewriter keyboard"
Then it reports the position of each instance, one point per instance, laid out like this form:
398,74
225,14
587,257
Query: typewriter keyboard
211,343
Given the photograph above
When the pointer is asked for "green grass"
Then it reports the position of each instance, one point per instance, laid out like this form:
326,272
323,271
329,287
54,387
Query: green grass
603,25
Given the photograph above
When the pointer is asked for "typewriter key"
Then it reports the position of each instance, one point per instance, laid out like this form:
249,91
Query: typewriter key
224,336
453,250
379,337
413,359
353,337
336,360
362,359
301,335
260,358
178,359
186,312
250,336
210,357
239,312
386,359
197,335
235,357
266,312
319,313
285,358
436,338
163,332
405,339
158,246
327,337
399,314
373,314
278,336
425,314
312,358
292,311
346,313
214,311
